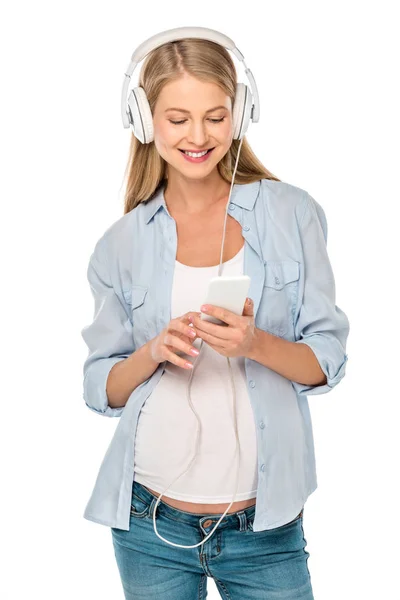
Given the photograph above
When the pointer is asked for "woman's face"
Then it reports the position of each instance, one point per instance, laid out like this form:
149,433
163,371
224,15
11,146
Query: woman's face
198,129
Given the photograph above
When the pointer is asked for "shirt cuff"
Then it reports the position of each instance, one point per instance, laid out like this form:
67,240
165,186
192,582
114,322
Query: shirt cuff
334,367
94,387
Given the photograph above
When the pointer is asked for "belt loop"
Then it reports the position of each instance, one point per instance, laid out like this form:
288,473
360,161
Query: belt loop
242,520
151,508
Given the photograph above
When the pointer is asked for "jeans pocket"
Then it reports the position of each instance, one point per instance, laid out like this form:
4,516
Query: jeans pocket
139,507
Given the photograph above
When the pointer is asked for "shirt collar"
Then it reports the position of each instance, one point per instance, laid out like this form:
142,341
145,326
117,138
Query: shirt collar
243,195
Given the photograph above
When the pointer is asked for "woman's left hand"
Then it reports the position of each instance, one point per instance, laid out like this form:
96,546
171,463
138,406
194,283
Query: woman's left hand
235,339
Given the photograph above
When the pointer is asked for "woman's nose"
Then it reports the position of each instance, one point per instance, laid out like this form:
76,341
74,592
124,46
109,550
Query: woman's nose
198,134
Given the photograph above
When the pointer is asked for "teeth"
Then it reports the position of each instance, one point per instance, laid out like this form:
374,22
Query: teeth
196,154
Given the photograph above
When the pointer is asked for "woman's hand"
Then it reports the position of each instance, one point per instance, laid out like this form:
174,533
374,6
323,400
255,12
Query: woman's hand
176,337
234,340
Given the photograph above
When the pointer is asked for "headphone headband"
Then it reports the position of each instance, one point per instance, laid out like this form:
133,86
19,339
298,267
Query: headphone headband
180,33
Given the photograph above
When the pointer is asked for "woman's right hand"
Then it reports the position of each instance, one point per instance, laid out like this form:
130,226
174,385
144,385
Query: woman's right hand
175,337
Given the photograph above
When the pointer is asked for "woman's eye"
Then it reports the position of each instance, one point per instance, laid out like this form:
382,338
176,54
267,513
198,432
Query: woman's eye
183,121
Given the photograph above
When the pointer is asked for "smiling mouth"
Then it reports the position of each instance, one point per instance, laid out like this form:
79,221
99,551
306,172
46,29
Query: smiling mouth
197,151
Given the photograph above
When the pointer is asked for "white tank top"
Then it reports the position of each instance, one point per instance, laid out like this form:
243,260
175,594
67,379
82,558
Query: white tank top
167,427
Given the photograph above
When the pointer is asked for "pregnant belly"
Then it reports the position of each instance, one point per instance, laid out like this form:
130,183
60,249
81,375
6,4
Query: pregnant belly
208,509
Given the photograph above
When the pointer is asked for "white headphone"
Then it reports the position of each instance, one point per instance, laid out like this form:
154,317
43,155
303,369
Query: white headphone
136,111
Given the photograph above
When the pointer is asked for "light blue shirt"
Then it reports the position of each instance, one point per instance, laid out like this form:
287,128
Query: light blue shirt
130,273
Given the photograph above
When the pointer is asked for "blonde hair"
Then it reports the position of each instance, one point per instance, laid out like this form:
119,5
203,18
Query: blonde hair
207,61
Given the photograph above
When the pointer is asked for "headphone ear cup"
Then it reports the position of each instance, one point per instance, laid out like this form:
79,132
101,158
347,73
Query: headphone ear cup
140,117
241,110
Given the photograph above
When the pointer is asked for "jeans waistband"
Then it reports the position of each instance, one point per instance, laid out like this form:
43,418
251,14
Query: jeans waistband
231,520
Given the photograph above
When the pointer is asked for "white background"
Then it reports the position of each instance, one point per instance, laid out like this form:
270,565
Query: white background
329,123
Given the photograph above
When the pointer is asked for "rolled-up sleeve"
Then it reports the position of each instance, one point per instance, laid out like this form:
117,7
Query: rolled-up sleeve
108,337
320,323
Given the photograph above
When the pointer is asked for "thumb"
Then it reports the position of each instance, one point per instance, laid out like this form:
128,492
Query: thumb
248,307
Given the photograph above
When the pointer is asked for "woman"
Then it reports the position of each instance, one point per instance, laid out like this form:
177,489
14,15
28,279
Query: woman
155,263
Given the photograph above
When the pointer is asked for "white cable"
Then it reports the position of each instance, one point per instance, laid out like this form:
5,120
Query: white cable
191,405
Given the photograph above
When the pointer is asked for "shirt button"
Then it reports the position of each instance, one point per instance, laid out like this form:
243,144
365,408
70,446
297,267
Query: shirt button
231,206
262,468
277,280
252,384
262,424
246,227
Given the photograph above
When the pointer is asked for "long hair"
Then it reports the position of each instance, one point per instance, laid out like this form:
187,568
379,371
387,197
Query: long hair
146,170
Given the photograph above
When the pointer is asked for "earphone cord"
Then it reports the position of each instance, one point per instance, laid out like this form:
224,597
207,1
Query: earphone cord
192,407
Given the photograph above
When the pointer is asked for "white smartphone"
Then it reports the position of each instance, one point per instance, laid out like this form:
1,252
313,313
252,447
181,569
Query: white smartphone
227,292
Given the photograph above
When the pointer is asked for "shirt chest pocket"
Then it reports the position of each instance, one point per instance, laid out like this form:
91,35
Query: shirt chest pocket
279,297
137,300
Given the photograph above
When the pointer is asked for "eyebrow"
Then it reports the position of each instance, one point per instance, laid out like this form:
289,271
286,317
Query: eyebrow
188,112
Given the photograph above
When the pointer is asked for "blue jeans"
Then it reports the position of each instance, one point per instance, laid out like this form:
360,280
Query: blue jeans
245,564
